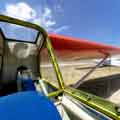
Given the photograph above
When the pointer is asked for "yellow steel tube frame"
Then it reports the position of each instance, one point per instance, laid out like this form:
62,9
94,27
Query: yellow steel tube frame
95,105
95,102
11,20
112,114
55,65
7,19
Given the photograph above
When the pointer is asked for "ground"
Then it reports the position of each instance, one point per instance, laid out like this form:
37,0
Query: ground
104,81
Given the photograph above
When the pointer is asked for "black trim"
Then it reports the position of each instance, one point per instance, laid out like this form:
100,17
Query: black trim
14,40
2,64
37,36
23,23
40,30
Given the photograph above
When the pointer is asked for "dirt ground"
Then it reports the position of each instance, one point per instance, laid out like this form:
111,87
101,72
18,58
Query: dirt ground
104,81
71,74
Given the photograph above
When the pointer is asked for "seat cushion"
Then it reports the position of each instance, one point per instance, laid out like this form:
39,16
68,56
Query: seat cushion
28,105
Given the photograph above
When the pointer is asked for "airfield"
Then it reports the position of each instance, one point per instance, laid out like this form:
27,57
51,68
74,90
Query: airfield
103,82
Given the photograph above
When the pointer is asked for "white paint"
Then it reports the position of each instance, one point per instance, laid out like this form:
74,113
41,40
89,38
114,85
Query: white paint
62,112
77,110
114,60
115,97
43,87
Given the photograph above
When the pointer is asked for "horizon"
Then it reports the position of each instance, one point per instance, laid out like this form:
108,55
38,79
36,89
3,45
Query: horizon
96,21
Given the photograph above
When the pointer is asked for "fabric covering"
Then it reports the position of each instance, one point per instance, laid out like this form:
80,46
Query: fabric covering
27,106
28,84
67,47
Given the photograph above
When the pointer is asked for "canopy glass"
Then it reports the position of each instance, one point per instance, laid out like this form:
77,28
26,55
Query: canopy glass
19,33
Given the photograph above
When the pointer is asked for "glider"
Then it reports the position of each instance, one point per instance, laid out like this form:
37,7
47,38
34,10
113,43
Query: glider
32,86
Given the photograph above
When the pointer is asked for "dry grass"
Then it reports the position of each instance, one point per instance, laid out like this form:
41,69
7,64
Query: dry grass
72,73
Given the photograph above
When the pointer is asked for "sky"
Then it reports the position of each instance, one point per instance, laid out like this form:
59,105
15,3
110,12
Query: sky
95,20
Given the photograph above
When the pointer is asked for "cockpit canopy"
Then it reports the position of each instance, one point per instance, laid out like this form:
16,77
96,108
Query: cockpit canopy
18,33
20,43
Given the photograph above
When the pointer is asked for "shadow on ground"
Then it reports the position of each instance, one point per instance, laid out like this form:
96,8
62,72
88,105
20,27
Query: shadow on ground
103,87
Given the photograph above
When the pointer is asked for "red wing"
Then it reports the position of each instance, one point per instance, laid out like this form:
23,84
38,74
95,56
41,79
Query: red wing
73,48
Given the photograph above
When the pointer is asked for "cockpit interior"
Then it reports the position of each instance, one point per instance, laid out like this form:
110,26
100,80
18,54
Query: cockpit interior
17,49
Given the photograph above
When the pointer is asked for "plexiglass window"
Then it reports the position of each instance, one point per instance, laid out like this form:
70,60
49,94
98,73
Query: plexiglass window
17,32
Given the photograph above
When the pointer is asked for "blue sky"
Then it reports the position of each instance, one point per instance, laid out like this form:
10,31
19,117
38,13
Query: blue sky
96,20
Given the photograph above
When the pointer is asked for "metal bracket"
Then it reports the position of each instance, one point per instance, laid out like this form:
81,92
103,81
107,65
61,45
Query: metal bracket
76,85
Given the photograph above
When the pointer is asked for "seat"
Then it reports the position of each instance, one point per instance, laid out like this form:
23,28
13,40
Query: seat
12,60
27,106
25,80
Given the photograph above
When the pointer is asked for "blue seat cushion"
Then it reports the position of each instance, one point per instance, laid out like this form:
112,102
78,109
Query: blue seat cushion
27,84
28,105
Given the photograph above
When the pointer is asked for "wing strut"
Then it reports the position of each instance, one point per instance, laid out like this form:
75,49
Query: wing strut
77,84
